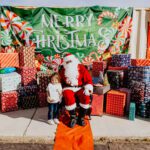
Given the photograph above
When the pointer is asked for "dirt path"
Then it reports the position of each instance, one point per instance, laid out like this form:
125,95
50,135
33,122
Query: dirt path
35,143
108,146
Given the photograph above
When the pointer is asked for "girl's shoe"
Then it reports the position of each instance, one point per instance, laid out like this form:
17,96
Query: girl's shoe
56,121
51,122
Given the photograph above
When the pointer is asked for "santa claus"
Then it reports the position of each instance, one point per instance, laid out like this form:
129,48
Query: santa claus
77,83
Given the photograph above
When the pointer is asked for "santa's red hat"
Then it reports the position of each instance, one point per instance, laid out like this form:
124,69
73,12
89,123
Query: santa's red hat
68,57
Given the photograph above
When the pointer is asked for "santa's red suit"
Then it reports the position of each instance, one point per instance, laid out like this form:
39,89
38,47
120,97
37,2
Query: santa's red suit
76,82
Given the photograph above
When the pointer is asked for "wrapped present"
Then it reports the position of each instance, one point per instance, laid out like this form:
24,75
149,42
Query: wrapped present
8,101
10,81
27,90
97,105
27,102
121,60
141,109
148,109
95,80
115,103
99,79
8,49
117,68
139,73
97,67
137,90
137,95
28,97
109,61
128,97
115,78
42,97
132,110
9,60
101,89
146,99
140,62
147,92
43,79
125,72
28,75
26,56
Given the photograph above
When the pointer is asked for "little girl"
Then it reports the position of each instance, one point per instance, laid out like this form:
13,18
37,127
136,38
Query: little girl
54,96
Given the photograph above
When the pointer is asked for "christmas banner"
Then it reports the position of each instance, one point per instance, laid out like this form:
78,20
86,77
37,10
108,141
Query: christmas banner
91,33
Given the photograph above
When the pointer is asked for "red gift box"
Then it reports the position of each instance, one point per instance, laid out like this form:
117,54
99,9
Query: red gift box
115,103
9,101
97,105
140,62
9,60
26,56
43,80
117,68
42,97
28,75
97,67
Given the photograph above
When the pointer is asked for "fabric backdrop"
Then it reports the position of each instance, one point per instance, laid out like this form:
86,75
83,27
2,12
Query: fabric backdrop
91,33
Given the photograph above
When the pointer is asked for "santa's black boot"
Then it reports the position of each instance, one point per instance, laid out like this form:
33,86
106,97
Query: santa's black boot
89,111
73,118
82,113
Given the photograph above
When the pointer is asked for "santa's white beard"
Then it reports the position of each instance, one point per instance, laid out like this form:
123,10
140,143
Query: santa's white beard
72,73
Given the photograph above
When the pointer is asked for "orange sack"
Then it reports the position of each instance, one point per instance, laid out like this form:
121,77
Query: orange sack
77,138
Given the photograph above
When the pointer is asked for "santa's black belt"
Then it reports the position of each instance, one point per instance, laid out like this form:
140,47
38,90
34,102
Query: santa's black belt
73,86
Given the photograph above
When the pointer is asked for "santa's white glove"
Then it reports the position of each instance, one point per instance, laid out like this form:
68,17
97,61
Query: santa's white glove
88,89
86,92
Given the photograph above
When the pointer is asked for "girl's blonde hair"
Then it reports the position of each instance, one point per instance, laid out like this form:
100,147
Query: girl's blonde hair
55,76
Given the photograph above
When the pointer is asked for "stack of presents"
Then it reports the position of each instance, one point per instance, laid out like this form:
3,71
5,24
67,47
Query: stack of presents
121,87
23,87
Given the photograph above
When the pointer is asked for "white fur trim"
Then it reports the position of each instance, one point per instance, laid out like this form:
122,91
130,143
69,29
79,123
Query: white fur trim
74,89
86,92
71,107
89,87
70,57
85,106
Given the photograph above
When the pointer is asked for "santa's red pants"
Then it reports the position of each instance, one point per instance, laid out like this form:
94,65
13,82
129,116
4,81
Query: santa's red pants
70,99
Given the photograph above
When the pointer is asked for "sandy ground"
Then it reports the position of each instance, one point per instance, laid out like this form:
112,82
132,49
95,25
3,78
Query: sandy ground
108,146
14,143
